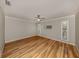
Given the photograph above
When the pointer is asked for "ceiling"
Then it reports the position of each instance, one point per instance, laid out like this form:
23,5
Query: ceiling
28,9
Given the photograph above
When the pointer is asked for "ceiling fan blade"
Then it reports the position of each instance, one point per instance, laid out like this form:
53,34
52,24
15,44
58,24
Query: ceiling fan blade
42,18
36,17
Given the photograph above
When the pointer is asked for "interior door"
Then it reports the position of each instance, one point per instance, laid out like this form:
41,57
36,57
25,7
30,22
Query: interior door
38,28
2,30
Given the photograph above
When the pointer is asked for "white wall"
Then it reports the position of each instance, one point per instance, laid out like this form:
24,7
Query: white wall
2,27
16,29
55,32
72,29
77,29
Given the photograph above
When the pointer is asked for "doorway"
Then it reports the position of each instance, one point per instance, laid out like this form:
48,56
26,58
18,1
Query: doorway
65,30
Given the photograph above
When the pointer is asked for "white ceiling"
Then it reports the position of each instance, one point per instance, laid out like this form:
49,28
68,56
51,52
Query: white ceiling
28,9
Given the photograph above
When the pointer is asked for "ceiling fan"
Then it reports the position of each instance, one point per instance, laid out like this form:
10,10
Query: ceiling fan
38,18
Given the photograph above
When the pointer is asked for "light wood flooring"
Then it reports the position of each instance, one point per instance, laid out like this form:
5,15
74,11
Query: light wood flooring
39,47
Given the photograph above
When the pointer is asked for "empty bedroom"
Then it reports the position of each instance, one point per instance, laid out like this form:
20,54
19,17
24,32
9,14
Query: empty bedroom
39,28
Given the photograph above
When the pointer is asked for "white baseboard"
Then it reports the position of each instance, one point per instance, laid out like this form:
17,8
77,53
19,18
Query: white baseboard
58,40
41,36
7,41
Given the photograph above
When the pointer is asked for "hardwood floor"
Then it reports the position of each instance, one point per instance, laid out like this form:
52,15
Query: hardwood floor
38,47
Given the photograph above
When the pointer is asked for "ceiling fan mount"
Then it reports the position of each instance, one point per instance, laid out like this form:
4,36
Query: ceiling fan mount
38,16
7,2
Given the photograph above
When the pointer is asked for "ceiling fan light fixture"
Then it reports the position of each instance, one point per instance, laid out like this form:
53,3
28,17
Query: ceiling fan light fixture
38,20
